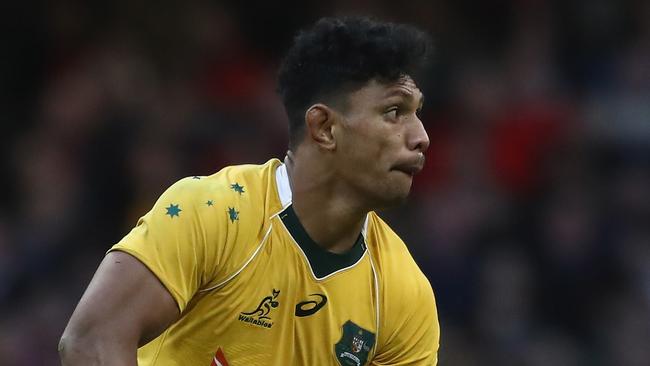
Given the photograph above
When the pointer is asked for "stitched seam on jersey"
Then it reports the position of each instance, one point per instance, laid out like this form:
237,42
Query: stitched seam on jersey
160,346
281,211
250,259
365,251
376,280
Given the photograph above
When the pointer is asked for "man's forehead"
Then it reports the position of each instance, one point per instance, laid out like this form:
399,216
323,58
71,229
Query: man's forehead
405,83
404,86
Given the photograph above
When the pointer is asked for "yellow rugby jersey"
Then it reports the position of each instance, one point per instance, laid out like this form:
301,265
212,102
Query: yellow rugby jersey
254,289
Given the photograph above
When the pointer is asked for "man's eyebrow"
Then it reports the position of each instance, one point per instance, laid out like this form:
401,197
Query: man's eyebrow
403,93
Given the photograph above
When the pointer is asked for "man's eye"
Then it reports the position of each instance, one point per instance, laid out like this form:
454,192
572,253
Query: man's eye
392,113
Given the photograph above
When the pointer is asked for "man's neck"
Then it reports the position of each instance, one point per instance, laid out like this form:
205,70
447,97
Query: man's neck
329,213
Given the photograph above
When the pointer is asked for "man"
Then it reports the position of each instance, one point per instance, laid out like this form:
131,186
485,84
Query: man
284,264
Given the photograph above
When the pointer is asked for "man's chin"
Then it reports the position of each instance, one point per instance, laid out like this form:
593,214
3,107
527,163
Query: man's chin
392,199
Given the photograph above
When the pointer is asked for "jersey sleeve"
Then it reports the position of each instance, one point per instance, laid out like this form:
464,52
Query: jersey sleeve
187,236
413,331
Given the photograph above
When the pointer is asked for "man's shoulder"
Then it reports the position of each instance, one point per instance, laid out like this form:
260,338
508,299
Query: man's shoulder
396,264
256,176
241,194
384,240
235,181
408,315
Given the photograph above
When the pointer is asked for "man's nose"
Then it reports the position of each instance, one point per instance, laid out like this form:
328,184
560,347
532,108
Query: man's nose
418,138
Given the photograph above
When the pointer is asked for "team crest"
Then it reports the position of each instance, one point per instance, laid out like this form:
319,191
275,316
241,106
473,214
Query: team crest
354,346
357,344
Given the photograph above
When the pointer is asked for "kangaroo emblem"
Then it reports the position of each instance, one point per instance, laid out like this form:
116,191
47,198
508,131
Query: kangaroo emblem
265,306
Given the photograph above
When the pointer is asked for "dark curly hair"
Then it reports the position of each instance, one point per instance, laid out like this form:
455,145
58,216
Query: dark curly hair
339,55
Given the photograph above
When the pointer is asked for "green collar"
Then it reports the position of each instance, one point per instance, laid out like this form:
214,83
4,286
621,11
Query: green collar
323,263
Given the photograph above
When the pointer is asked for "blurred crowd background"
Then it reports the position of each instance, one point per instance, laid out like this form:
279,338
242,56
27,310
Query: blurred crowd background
531,219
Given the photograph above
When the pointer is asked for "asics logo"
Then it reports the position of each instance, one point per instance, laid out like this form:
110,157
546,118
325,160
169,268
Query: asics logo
310,307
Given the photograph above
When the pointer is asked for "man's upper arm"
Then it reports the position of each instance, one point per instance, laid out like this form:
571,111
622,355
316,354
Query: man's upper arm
146,280
185,243
124,302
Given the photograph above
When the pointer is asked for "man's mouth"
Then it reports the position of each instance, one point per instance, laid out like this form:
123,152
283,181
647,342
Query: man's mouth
410,168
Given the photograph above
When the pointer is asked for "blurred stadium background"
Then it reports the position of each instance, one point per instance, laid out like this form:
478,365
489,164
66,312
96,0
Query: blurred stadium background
531,220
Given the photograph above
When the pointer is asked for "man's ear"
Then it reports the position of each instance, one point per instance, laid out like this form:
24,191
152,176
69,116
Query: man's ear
320,120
